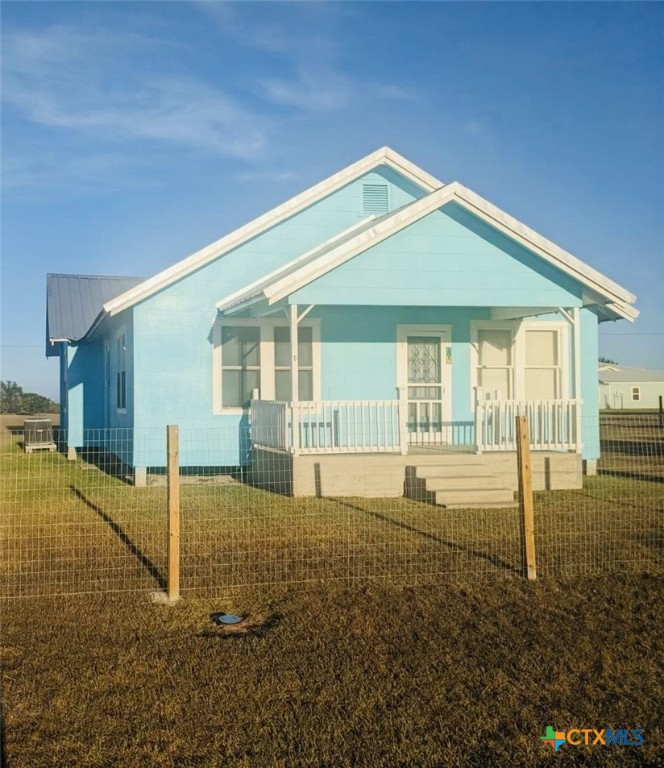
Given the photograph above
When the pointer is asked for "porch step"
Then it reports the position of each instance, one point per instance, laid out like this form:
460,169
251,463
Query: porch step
458,482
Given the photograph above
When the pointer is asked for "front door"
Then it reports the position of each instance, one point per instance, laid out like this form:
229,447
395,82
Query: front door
424,353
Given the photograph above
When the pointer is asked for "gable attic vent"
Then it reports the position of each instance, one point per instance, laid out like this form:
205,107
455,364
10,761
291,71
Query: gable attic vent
374,199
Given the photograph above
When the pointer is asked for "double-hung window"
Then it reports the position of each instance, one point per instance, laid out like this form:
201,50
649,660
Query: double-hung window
241,364
542,371
121,374
257,355
636,394
495,368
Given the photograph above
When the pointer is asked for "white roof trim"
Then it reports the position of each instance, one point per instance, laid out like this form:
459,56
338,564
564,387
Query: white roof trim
255,289
293,277
382,156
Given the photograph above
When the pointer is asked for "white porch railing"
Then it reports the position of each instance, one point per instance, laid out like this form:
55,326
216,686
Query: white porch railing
554,424
330,426
382,426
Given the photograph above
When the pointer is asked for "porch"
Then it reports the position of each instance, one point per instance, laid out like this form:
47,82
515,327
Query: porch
383,448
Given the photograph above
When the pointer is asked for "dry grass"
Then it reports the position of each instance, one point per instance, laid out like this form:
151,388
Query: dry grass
369,676
415,643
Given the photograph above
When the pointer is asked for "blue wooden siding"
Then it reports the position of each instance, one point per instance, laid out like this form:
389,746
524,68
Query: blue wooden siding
167,323
446,269
449,258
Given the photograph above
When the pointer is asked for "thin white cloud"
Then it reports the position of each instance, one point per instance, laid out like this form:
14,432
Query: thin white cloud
310,91
54,80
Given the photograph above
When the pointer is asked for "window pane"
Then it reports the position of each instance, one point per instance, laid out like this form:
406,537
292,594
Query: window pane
495,347
542,348
304,346
238,387
282,388
231,389
282,346
541,384
423,360
240,346
282,354
424,393
306,385
492,379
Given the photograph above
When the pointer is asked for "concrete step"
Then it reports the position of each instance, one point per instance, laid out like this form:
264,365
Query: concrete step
485,482
479,497
456,470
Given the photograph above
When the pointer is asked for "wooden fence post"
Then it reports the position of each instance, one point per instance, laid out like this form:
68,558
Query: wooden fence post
526,496
173,580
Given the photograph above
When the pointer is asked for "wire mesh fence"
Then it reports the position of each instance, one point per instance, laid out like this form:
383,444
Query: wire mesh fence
98,523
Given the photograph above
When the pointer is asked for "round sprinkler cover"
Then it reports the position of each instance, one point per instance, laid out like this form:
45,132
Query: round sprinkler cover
226,618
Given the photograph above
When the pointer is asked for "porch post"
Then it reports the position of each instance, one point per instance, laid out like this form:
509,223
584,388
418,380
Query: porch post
576,317
295,393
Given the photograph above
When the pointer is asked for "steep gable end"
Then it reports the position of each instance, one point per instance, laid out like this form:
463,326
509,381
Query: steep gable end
384,159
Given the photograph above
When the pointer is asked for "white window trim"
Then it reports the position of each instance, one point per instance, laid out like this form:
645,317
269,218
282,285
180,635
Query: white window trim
490,325
518,329
267,369
635,391
118,336
563,353
426,329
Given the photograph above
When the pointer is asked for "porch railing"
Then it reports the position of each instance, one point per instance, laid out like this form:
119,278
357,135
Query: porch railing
382,426
330,426
554,424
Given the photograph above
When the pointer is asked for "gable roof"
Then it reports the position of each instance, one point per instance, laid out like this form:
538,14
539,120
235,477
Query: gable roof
73,302
383,156
308,267
623,373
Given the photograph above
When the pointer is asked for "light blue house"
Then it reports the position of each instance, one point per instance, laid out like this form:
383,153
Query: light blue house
378,316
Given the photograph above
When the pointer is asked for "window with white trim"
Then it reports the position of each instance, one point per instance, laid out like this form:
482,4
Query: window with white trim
636,394
121,374
241,364
256,354
542,369
495,366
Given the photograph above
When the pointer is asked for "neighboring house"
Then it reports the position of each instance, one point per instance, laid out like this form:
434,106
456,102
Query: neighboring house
622,387
378,316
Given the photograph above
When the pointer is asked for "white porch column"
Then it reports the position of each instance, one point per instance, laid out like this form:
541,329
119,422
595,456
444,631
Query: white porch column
576,318
295,394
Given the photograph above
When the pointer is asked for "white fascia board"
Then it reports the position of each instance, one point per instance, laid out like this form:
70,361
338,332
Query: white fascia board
619,299
376,234
543,247
255,290
383,156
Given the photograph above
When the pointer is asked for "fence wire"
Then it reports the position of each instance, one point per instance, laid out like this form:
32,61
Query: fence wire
82,525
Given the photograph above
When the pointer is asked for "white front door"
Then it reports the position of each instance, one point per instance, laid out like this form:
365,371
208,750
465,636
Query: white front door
423,353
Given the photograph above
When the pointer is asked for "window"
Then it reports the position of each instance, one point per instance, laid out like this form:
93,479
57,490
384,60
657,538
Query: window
636,394
305,363
241,361
121,374
542,370
252,354
495,369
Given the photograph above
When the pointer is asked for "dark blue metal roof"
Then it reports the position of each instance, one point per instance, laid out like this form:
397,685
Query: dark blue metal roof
73,303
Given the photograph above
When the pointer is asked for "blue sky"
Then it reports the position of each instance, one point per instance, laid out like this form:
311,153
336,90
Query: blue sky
135,133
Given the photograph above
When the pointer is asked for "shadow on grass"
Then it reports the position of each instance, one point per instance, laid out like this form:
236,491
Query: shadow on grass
493,559
632,475
119,531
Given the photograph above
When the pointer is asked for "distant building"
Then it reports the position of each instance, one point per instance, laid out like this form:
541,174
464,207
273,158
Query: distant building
621,387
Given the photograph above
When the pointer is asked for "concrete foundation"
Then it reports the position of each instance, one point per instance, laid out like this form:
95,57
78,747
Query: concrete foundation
140,477
384,475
